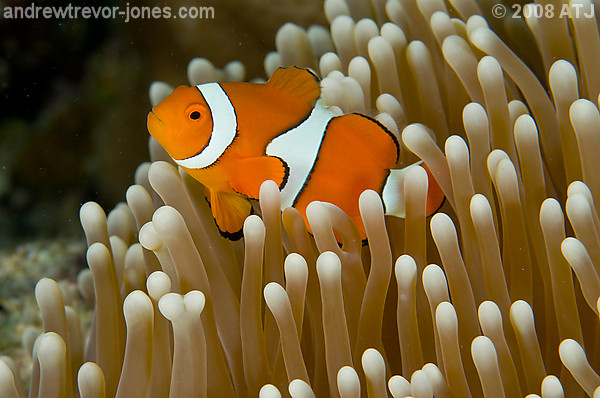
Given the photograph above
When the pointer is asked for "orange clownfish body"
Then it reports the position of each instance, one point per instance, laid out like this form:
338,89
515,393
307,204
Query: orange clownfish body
234,136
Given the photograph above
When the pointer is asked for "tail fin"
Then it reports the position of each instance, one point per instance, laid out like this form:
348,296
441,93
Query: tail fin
435,195
393,192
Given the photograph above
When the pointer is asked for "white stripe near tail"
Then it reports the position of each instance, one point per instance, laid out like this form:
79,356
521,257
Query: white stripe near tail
393,191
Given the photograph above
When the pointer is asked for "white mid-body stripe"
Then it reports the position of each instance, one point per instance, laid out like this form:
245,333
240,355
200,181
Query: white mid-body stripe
224,127
299,148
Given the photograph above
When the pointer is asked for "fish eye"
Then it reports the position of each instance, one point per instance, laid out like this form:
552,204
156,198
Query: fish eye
195,115
195,112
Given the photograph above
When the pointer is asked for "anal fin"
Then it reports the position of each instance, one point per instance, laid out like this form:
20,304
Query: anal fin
230,211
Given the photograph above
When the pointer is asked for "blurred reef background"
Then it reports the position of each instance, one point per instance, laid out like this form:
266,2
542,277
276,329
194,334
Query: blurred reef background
74,98
73,107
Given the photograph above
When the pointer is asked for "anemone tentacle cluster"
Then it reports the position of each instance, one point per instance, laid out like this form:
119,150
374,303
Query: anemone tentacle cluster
495,296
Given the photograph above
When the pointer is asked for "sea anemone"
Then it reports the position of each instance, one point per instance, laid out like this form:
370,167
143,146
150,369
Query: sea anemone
441,306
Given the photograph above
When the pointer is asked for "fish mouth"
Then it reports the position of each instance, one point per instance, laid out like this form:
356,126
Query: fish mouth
153,114
156,127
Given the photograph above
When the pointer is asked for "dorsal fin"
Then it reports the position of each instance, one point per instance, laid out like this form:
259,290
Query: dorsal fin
298,82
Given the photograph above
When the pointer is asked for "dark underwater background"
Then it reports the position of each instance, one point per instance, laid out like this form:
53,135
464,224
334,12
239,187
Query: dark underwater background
74,98
73,107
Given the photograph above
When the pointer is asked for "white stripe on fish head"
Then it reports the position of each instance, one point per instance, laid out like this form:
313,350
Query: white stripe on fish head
224,127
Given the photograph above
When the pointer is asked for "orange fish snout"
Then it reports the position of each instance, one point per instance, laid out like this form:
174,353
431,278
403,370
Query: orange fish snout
181,123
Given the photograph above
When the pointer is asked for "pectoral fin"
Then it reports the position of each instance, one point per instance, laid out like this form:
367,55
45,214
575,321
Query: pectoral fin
250,173
229,211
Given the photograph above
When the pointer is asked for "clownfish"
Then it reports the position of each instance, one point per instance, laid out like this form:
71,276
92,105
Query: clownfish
233,136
